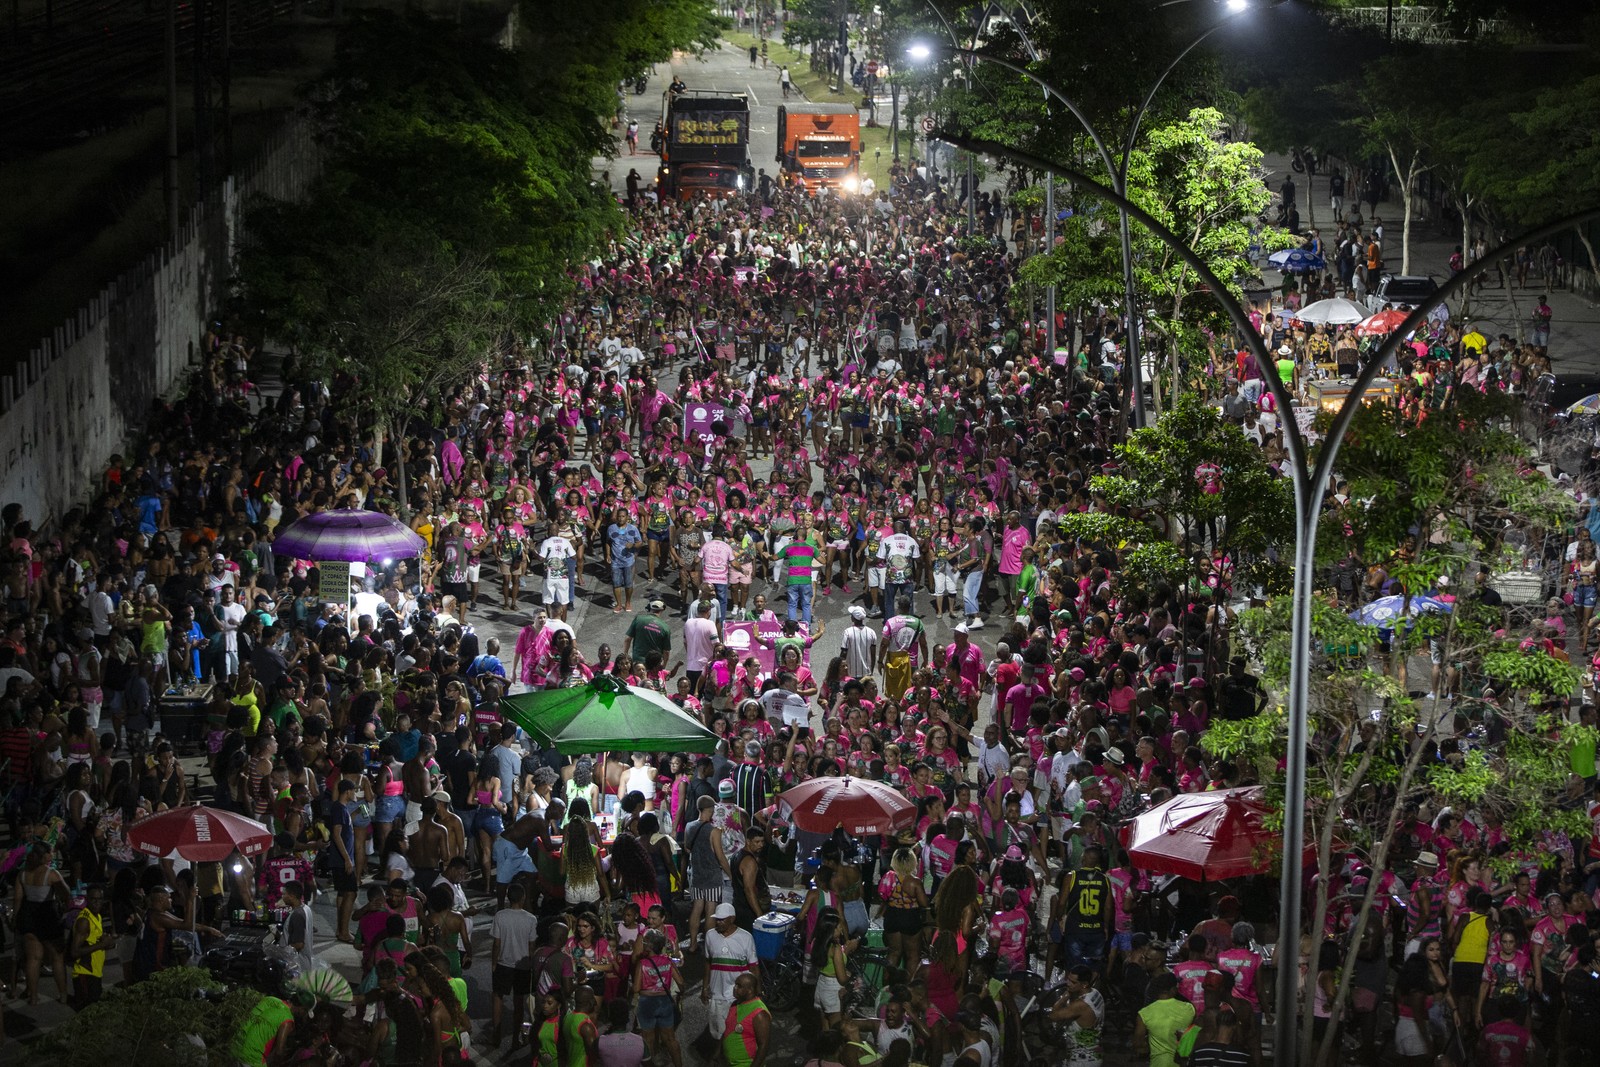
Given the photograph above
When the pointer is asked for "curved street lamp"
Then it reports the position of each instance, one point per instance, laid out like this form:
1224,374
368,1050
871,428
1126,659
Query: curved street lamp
1117,169
1309,484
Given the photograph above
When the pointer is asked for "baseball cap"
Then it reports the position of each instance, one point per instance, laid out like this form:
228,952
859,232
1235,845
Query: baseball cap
960,628
857,611
725,788
1076,674
724,911
657,604
1013,853
441,796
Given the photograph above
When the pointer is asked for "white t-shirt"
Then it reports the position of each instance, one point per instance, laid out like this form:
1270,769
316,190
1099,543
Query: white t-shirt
100,609
726,953
232,615
992,762
857,643
903,546
556,550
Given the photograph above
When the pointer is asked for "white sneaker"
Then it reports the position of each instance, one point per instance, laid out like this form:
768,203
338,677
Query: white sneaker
975,624
1431,696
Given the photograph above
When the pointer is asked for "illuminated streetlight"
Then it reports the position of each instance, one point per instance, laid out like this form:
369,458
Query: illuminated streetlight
919,52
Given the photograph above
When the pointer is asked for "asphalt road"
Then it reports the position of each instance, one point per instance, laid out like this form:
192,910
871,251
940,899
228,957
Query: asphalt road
724,69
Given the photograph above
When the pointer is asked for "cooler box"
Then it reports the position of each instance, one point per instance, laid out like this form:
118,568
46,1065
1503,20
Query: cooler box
770,932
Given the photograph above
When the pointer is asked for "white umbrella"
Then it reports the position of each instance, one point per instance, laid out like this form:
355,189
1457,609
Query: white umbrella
1338,311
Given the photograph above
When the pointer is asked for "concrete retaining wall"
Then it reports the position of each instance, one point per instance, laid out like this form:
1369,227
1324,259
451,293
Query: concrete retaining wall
85,391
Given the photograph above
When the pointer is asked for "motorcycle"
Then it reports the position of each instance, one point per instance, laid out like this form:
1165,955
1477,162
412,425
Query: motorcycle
1304,160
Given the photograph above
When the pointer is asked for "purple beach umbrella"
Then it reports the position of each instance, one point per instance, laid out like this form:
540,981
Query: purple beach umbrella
348,535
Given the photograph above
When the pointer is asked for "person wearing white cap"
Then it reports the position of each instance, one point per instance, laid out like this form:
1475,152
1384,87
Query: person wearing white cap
859,643
730,952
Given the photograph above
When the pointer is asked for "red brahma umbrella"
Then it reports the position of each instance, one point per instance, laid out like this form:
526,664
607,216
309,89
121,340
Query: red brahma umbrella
199,834
858,805
1384,322
1206,836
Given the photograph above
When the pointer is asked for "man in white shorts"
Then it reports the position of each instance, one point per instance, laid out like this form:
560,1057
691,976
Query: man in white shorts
555,551
877,527
730,952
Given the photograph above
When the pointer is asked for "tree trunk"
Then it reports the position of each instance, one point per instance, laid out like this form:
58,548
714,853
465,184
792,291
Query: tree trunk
1466,246
1594,265
1407,177
400,477
894,120
1380,863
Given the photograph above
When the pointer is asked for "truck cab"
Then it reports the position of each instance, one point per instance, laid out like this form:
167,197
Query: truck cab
819,146
706,144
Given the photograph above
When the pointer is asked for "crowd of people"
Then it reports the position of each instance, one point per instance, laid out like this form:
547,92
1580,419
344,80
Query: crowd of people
757,406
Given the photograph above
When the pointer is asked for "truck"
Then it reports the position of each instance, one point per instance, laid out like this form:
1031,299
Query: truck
706,147
819,146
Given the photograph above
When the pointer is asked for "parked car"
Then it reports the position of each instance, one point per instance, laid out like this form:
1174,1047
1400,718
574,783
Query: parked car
1402,290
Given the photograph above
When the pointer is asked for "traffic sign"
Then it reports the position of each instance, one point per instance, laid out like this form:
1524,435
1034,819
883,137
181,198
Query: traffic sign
872,66
927,124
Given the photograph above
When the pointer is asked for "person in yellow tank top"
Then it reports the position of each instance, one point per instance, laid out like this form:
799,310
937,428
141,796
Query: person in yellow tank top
1469,938
89,941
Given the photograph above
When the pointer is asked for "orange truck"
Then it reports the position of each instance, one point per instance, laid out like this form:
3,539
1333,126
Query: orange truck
819,146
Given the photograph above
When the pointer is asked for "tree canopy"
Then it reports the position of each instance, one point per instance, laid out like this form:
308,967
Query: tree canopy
456,192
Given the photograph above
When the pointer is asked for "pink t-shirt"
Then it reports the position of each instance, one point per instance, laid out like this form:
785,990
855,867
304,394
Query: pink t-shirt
1012,542
971,661
699,642
715,555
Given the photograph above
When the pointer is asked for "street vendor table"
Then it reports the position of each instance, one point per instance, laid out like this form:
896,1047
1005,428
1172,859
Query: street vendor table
1329,393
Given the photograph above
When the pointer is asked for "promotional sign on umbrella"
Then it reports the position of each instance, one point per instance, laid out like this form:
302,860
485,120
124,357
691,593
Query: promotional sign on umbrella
607,716
1296,261
1383,611
1384,322
199,834
349,535
856,804
1206,836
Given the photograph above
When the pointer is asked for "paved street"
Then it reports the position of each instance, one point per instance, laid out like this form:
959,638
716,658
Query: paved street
726,69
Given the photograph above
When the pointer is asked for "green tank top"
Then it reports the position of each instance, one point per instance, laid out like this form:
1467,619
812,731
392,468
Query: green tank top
572,1024
154,637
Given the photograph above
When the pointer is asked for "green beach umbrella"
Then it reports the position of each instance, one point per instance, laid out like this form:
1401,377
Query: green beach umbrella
607,716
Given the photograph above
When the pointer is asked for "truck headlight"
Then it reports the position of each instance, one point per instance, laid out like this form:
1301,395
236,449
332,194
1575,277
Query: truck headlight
851,184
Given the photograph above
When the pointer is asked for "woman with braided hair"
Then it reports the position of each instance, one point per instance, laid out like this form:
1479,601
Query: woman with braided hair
444,1011
580,863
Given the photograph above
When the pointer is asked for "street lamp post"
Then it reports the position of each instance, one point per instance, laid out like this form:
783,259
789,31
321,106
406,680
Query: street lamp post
1310,483
1118,170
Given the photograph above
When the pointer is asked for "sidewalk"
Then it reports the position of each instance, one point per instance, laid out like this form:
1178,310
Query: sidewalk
1575,327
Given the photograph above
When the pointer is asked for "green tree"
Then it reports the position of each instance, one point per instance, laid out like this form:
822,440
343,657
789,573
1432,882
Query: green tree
455,198
1207,188
1397,105
1169,469
1557,170
1435,500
